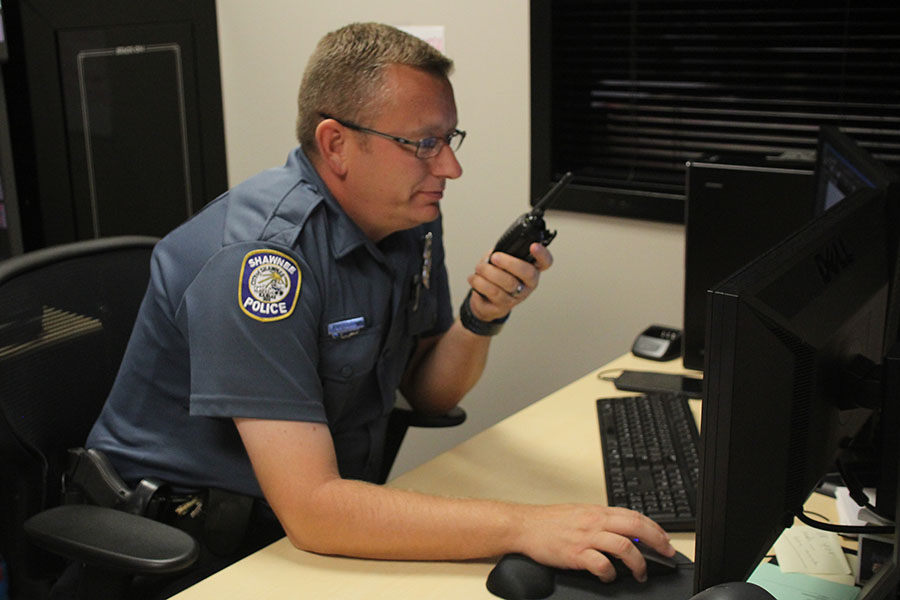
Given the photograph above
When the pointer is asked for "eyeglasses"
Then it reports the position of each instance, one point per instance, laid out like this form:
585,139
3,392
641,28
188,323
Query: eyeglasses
425,148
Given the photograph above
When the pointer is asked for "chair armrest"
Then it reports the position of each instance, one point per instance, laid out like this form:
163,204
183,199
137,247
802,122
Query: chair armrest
401,419
112,539
452,418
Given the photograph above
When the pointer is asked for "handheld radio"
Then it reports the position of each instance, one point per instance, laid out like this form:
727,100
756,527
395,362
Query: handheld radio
530,227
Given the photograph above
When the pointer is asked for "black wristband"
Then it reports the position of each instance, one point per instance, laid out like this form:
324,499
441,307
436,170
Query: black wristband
476,325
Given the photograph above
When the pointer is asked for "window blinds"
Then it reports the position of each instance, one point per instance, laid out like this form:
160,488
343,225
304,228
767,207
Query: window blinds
633,89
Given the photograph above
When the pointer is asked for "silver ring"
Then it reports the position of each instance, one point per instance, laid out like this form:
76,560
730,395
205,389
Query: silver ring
519,289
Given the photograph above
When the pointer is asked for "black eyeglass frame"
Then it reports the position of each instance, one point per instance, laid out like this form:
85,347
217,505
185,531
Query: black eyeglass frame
428,147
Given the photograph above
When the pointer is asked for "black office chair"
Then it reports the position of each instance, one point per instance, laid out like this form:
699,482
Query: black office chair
66,314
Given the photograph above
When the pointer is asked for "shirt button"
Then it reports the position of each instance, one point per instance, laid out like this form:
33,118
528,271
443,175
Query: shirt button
347,370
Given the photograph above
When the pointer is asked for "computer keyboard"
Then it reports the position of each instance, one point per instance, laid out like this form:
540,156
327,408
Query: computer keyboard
651,456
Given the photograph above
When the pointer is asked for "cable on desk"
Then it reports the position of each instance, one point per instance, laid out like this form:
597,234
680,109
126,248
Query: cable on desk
604,375
855,529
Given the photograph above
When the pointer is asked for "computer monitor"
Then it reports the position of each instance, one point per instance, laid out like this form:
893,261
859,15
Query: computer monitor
737,208
784,335
843,167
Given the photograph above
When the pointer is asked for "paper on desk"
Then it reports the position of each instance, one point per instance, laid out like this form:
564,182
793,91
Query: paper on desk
799,586
847,508
802,549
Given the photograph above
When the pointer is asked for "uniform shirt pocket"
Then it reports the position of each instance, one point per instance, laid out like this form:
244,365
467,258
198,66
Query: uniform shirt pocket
346,366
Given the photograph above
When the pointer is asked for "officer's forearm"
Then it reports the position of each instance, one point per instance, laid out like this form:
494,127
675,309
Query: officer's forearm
295,464
353,518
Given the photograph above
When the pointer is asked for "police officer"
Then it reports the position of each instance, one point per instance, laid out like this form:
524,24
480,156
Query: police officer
281,320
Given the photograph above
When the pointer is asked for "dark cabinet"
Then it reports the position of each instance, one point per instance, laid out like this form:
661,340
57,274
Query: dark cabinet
115,115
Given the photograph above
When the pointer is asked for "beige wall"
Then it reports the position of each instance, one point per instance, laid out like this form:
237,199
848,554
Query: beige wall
612,277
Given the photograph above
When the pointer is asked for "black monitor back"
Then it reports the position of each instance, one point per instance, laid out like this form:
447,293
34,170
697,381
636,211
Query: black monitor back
737,207
781,333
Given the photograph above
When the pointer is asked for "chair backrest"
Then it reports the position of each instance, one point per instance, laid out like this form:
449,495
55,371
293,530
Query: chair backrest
66,315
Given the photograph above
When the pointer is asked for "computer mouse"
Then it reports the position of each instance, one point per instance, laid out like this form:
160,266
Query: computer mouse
738,590
657,564
518,577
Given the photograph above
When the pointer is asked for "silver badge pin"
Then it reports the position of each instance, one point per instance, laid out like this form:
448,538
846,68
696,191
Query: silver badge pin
426,262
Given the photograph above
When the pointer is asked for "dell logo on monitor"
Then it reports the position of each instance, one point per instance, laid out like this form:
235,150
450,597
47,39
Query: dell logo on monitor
832,259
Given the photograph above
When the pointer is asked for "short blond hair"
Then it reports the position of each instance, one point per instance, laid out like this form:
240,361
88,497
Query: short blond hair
345,74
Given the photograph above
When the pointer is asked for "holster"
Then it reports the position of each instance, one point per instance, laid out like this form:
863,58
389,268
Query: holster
220,520
91,479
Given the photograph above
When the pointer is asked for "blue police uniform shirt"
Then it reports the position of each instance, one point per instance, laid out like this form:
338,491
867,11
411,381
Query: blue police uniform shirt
270,303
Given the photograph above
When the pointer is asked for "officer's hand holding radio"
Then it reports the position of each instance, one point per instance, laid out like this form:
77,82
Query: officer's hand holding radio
512,269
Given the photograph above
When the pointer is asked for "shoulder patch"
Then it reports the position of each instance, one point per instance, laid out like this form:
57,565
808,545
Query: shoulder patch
269,285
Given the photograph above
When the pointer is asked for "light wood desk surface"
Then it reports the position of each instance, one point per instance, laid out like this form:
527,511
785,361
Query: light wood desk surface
546,453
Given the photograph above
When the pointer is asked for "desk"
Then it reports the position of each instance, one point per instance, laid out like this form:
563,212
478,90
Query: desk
546,453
